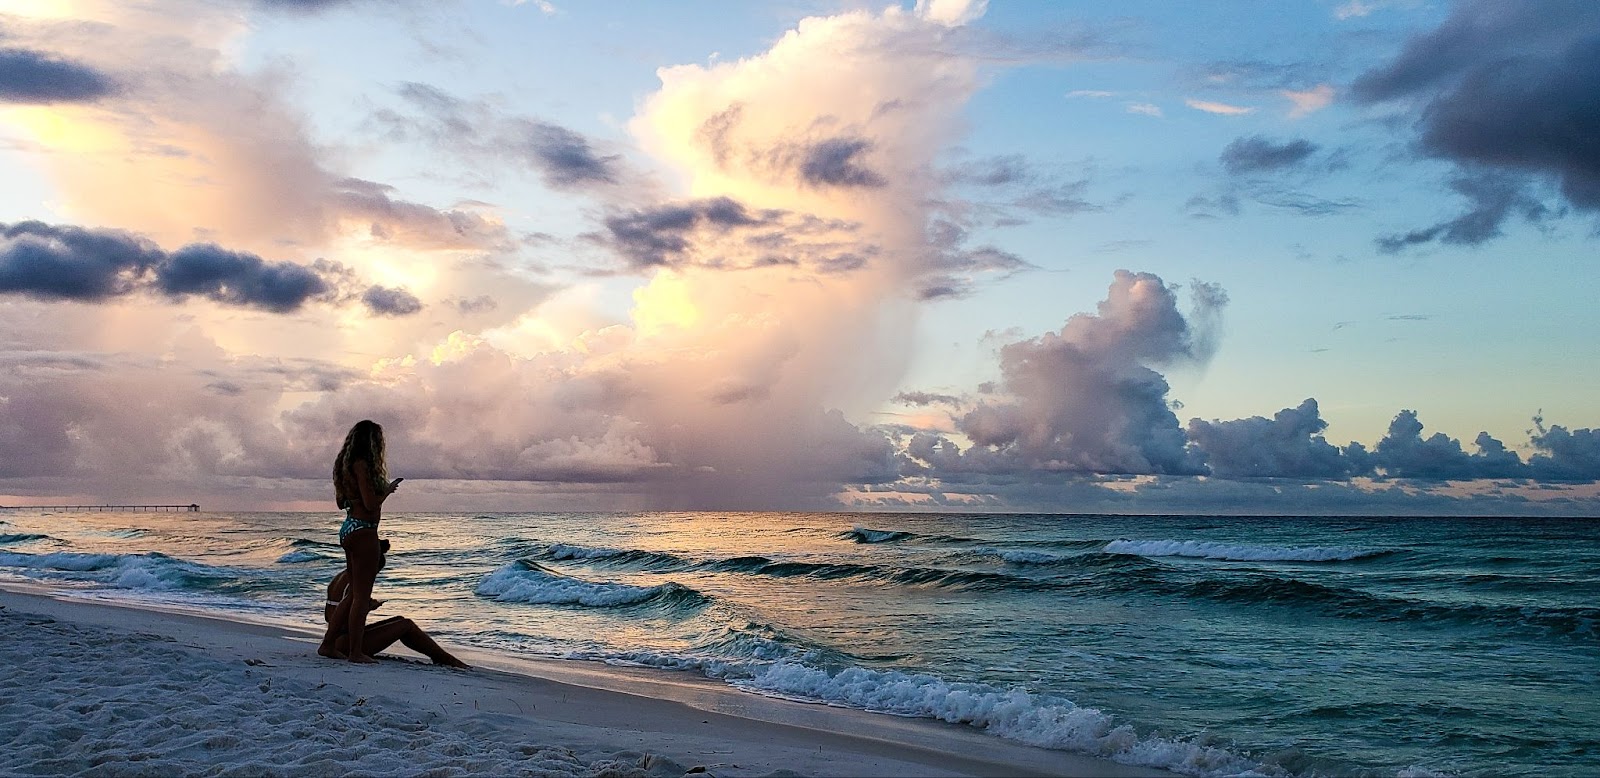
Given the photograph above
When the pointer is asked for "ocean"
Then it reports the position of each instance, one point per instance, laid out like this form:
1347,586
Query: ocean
1208,645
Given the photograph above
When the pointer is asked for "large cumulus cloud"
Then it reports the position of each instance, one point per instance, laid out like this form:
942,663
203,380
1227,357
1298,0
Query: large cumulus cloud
1288,445
1088,399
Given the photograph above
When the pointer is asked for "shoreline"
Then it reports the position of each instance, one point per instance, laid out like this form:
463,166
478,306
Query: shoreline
593,717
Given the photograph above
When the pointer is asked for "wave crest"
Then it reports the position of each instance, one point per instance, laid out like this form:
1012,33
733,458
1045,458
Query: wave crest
532,583
1015,714
1239,552
153,571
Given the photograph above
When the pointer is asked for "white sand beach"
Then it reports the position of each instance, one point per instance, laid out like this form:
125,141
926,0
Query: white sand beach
93,688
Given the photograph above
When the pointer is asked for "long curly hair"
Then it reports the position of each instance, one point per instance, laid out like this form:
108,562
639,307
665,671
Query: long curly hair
364,442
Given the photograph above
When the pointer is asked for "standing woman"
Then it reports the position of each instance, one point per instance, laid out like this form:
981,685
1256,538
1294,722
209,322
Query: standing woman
360,485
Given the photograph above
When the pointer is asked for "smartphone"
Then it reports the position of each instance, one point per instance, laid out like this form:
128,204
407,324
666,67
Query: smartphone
395,482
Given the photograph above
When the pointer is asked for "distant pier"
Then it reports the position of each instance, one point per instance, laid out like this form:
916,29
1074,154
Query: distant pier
190,508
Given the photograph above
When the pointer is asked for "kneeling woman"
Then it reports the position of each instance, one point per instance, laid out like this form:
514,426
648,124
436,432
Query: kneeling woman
360,485
381,634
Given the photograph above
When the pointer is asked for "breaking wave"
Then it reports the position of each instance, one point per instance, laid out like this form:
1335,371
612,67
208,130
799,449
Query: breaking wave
1237,552
529,582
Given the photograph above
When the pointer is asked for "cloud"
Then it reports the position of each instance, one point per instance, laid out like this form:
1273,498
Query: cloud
1011,190
951,13
1404,453
1308,101
384,301
1223,109
1561,454
1494,197
1289,445
926,398
316,6
564,156
237,278
1355,9
49,262
1256,154
214,152
1146,109
470,305
414,224
662,235
477,130
1489,62
997,171
1086,399
1090,93
28,76
836,162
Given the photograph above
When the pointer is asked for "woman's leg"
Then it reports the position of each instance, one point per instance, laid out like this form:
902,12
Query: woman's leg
380,635
361,552
418,641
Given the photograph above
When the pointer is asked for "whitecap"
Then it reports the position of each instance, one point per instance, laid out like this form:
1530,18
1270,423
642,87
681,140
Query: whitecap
1237,552
523,582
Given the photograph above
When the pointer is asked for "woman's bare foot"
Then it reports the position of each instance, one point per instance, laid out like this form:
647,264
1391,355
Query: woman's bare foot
330,652
362,659
450,661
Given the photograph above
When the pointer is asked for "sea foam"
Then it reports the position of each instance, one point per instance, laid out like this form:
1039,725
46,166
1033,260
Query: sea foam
1237,552
1015,714
152,571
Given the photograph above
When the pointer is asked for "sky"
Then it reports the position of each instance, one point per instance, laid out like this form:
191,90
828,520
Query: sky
1275,257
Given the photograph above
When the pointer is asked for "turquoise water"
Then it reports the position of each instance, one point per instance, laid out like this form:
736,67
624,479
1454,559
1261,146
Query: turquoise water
1210,645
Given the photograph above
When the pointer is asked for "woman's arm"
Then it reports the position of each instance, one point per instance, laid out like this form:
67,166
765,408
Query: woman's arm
371,498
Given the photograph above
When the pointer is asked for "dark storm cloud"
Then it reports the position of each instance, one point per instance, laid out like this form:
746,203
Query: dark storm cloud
1493,198
384,301
474,128
837,162
49,262
1405,453
1564,455
28,76
1289,445
1256,154
237,278
1507,86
